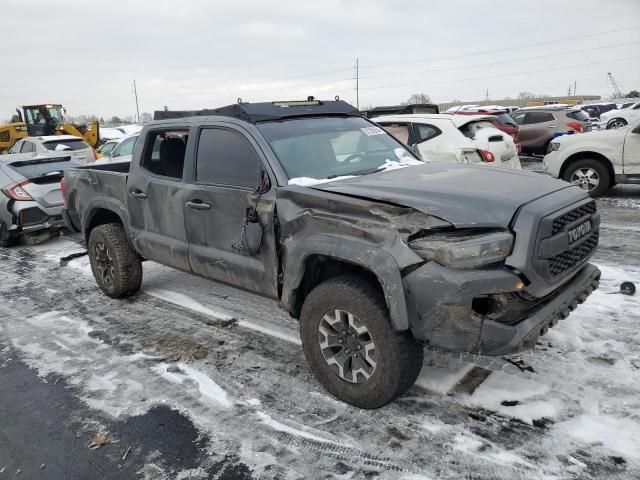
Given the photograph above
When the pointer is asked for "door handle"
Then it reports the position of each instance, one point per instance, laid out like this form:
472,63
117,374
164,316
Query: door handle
551,126
198,205
138,194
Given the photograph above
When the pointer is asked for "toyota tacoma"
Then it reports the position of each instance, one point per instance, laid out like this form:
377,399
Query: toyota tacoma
374,251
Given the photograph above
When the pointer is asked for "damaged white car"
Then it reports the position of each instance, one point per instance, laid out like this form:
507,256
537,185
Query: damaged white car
449,138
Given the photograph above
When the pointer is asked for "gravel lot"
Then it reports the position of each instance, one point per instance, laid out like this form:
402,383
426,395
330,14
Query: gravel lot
190,379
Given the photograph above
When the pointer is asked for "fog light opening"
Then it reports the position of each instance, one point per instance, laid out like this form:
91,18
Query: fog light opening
487,306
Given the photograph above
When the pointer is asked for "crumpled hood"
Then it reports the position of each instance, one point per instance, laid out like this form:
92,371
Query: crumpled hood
465,196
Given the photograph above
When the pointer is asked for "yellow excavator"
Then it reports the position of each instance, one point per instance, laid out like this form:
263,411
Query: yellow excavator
46,119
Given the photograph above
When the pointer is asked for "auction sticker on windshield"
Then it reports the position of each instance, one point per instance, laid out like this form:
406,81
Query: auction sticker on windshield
370,131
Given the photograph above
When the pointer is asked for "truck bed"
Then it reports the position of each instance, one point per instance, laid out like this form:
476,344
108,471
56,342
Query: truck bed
96,185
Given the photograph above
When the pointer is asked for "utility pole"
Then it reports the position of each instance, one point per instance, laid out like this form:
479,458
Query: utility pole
135,91
575,84
357,84
569,91
486,97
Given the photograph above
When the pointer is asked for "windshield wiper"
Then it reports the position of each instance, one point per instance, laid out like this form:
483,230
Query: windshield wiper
356,173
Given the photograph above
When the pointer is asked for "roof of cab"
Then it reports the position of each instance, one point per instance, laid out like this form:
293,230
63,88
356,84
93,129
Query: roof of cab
268,111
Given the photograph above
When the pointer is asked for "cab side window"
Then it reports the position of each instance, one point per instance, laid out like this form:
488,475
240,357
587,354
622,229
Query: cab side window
226,157
164,152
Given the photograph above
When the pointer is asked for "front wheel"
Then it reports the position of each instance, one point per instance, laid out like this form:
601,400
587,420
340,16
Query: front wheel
616,123
116,266
590,175
351,347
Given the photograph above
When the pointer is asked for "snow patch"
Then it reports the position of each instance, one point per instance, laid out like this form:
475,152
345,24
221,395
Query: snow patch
500,387
621,435
281,427
188,302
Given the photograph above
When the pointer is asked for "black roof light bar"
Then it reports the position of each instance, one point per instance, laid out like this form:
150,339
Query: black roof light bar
268,111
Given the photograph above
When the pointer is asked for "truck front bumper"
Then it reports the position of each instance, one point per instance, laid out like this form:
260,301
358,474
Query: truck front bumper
461,310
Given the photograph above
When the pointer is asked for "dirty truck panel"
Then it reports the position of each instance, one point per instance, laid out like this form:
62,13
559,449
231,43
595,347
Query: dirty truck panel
375,252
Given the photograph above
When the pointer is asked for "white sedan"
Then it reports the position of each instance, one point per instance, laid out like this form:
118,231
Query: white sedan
454,138
596,160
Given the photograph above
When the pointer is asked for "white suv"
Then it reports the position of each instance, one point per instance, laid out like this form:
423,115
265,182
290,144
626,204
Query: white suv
454,138
76,147
596,160
621,118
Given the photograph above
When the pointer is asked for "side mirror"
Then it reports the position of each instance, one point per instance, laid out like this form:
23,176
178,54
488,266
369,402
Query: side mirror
264,184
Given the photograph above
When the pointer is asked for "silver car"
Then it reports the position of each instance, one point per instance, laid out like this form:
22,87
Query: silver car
30,197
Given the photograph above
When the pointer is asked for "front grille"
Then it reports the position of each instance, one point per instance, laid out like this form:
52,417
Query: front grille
568,259
572,216
552,261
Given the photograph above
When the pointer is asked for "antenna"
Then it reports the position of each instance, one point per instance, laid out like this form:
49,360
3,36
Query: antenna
135,91
357,79
616,86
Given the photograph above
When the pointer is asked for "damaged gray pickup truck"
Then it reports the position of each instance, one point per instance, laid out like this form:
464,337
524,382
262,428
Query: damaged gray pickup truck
374,251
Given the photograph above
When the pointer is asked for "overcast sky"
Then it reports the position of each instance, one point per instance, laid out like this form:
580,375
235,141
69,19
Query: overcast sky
191,54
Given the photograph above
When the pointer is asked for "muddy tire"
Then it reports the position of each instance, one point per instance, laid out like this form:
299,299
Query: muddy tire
350,345
116,266
590,175
6,239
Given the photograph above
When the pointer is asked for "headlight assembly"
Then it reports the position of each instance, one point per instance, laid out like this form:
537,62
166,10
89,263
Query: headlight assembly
464,250
553,146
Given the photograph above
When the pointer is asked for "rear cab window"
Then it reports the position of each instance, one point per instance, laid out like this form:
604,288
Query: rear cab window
164,152
71,144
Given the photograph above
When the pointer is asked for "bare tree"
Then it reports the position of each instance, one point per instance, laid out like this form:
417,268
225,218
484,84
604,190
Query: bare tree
145,117
417,98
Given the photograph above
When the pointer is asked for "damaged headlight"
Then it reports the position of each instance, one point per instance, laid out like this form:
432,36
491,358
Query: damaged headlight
464,249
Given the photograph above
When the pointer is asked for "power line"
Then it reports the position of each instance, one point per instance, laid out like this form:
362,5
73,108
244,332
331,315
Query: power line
483,52
502,74
463,67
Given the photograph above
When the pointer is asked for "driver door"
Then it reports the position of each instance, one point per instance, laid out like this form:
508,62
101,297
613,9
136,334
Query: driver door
225,207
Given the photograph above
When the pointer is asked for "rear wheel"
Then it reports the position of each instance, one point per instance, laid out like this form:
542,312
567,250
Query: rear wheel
6,239
351,347
616,123
116,266
590,175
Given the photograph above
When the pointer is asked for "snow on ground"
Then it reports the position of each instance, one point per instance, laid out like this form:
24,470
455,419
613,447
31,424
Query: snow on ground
231,362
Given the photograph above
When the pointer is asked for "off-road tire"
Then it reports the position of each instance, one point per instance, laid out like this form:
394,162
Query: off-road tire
6,239
602,171
399,355
127,265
